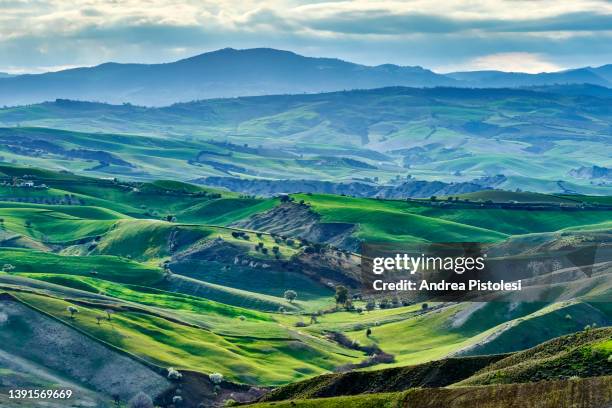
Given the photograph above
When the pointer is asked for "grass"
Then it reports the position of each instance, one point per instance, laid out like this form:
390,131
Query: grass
383,400
398,221
582,354
247,358
149,296
395,221
225,210
109,268
214,314
52,226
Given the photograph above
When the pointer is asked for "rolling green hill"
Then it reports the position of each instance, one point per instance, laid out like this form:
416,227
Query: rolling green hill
539,141
171,274
580,355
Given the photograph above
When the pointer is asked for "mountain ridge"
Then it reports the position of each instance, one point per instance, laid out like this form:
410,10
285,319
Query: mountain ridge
231,72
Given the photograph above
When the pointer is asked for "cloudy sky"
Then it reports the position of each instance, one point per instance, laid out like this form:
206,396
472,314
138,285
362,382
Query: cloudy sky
443,35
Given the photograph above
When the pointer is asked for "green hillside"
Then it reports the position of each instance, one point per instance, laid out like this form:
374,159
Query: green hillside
170,274
582,356
539,141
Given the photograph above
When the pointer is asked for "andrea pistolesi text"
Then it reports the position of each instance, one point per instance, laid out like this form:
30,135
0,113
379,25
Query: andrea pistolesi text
407,265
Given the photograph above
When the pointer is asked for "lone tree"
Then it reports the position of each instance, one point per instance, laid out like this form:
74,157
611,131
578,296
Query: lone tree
290,295
141,400
368,332
341,295
72,310
424,306
109,312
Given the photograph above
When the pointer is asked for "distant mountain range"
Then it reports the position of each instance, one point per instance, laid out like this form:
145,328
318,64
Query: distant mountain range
260,71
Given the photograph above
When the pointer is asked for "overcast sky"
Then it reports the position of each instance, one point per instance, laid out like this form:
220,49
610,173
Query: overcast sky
443,35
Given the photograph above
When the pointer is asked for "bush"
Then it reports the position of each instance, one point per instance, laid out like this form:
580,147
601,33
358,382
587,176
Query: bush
216,378
174,374
7,268
141,400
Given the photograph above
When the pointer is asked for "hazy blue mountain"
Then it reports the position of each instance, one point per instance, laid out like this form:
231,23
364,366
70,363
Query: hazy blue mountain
223,73
496,79
604,71
252,72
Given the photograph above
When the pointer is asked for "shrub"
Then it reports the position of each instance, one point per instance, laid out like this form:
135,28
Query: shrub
216,378
174,374
141,400
7,268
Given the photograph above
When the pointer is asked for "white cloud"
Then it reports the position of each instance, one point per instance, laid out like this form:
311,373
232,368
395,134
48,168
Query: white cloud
508,62
35,33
